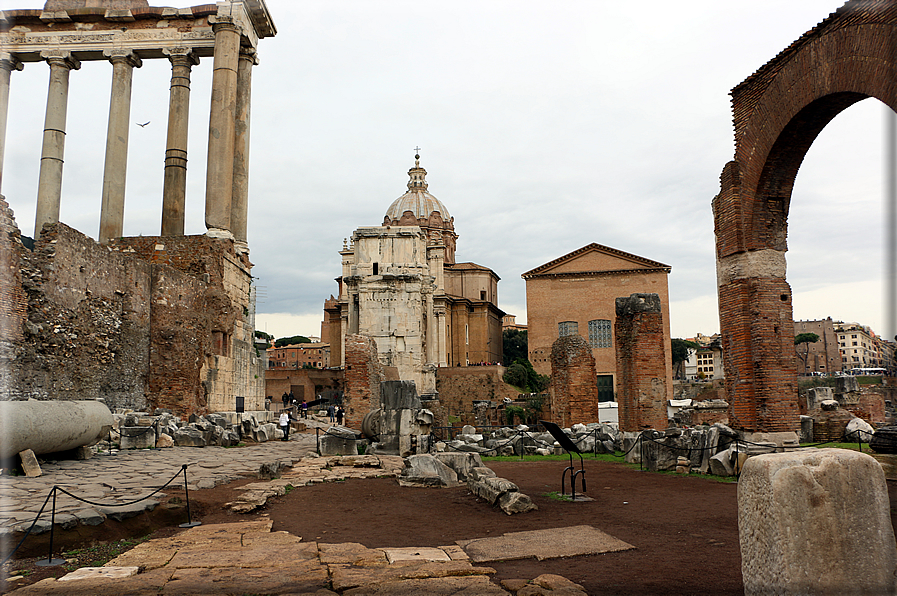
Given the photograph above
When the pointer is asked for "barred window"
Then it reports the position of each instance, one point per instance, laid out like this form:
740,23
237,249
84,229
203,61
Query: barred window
600,334
566,328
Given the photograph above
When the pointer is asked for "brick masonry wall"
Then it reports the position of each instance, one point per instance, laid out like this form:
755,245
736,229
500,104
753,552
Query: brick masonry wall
459,387
363,374
574,392
642,389
13,304
778,113
86,335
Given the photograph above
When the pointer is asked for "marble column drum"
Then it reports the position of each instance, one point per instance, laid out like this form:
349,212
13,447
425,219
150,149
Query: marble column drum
220,166
49,186
174,193
112,210
8,63
240,196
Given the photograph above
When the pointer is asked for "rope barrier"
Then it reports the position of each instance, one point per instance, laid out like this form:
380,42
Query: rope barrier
55,489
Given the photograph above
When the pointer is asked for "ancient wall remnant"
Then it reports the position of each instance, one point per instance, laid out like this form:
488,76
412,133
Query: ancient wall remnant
363,375
642,391
778,112
460,386
574,392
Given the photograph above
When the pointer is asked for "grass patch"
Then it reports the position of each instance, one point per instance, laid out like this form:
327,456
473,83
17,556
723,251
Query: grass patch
556,496
99,554
850,446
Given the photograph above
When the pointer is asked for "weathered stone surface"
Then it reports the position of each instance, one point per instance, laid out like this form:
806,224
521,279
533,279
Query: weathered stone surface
124,512
444,586
164,441
808,521
516,502
491,488
480,472
426,470
137,437
461,463
859,430
338,445
271,470
189,437
89,517
721,464
29,463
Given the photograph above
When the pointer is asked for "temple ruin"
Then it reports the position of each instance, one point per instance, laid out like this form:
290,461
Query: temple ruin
145,322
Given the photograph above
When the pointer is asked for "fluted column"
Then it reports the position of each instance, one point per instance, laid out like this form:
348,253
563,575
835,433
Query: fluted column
112,210
220,162
49,186
174,192
8,63
240,196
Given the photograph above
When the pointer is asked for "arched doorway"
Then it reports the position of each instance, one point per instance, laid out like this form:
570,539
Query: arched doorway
778,113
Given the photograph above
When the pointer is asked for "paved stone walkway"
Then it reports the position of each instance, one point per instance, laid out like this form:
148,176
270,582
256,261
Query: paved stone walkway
130,475
247,558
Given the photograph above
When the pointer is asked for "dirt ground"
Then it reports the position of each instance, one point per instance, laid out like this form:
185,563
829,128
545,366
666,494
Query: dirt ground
684,528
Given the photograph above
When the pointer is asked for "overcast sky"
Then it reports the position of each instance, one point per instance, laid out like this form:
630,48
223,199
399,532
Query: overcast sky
543,126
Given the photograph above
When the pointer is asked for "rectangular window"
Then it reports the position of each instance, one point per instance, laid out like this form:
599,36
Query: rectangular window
600,334
566,328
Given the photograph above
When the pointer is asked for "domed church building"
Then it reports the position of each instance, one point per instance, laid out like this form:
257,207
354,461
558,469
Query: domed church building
401,286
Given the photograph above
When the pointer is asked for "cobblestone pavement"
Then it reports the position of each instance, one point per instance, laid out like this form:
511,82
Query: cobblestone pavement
130,475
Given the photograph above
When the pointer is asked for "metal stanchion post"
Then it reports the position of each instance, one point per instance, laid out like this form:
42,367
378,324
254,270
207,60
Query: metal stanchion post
51,562
190,523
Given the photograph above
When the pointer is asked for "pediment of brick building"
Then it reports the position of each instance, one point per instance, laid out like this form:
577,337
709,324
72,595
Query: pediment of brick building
595,258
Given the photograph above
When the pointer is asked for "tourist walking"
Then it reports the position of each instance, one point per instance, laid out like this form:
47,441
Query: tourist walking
331,413
285,424
304,409
339,415
285,398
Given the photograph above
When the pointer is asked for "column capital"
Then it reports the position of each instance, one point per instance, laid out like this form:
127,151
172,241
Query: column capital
250,54
61,58
181,56
128,57
10,62
223,22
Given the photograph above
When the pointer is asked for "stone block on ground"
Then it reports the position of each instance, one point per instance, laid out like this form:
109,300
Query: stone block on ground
858,430
516,502
338,445
427,470
809,520
491,488
29,464
164,441
461,463
271,470
189,437
137,437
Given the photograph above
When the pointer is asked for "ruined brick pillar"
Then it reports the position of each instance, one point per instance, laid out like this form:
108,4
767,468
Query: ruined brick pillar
574,386
641,363
363,374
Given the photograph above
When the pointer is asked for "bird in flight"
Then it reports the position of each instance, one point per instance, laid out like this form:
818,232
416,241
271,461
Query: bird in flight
142,125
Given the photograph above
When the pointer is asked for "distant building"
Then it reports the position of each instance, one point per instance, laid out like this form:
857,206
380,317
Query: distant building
576,294
400,285
822,357
510,322
705,362
312,355
857,346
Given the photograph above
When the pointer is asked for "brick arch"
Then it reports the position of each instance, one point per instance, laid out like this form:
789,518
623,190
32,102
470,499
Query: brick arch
778,113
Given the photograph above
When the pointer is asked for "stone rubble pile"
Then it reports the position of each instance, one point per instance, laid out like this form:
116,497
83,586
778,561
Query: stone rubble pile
140,430
605,438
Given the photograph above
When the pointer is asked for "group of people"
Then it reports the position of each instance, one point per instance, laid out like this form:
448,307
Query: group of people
335,413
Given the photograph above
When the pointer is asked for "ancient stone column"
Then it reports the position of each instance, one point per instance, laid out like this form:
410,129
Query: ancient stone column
220,163
8,63
112,210
49,186
240,197
174,192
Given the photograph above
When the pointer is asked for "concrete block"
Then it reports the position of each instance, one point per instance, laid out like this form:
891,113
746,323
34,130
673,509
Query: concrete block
816,521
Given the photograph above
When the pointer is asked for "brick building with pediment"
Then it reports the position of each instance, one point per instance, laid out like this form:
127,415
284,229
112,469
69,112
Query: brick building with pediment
575,295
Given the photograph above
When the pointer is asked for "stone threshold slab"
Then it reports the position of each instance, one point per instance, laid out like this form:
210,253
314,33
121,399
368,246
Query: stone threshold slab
543,544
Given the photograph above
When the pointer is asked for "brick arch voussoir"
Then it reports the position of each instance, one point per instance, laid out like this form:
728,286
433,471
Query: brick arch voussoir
824,78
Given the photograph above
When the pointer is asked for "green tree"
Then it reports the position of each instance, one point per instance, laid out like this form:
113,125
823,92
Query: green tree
514,345
807,339
263,335
522,375
679,348
289,341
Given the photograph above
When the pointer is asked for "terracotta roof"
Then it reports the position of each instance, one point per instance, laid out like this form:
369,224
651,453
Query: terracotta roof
647,263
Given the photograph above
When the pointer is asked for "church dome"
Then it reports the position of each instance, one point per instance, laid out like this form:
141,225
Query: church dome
417,199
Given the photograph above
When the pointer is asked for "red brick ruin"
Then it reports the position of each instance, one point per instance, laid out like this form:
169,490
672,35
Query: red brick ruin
641,363
574,395
778,112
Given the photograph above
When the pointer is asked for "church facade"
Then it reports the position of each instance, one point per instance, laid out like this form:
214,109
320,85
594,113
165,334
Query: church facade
400,286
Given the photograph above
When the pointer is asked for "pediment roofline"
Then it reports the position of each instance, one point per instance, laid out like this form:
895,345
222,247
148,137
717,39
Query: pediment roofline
642,263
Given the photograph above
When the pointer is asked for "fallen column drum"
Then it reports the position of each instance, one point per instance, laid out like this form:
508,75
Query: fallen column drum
50,426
